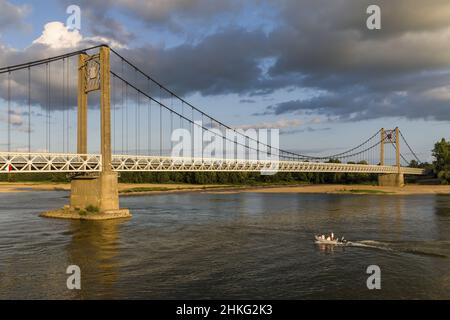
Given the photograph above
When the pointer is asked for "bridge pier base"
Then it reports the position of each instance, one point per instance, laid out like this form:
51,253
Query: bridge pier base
84,192
391,180
92,198
109,191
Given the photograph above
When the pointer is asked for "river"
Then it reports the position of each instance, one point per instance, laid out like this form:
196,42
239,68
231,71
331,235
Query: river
228,246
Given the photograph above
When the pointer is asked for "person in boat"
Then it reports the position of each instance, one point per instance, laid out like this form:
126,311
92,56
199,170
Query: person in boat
331,238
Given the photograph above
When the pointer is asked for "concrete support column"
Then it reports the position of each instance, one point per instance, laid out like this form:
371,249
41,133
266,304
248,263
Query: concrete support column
397,150
382,137
105,109
391,180
84,192
92,197
108,179
82,106
109,189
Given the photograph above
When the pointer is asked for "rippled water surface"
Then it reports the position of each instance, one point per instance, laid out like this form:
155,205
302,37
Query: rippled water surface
244,245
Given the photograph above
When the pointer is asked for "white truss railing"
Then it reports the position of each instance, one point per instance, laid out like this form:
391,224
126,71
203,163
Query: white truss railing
151,163
55,162
49,162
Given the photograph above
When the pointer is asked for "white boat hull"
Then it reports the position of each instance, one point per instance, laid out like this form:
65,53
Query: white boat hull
324,241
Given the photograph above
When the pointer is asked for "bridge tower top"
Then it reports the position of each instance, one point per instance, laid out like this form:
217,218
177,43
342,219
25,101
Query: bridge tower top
390,137
94,74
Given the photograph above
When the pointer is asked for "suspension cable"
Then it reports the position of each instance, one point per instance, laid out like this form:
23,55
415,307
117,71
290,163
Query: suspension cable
45,61
163,106
283,153
410,149
29,110
401,155
195,108
9,111
350,150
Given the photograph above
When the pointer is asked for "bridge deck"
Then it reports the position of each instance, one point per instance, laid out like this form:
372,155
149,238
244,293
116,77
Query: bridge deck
55,162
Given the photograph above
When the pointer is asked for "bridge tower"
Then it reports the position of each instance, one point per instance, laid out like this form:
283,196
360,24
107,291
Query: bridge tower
97,192
391,179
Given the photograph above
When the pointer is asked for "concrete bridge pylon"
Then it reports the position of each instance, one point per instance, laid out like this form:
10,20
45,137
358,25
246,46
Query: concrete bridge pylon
391,179
94,197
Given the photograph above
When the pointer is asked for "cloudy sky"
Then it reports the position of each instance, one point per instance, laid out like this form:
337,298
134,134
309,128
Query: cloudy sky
309,67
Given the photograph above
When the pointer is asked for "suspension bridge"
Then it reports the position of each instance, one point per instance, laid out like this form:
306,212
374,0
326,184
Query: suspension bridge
44,128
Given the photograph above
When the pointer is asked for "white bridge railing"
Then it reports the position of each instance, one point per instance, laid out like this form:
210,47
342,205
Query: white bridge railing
49,162
56,162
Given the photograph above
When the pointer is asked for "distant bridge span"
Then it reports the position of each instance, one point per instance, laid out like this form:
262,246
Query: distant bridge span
73,163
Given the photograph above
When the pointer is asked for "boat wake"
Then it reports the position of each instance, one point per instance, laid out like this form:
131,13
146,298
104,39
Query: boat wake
426,248
369,244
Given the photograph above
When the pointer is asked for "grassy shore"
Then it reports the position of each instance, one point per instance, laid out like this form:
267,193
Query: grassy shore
145,188
363,189
124,188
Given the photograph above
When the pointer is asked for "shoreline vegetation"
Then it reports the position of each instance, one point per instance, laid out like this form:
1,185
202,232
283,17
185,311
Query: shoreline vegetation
148,183
133,189
145,183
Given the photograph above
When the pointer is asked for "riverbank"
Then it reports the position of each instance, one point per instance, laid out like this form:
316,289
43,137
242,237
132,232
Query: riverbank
361,189
147,188
124,188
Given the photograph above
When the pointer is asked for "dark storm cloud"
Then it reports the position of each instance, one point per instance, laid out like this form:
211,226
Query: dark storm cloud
46,92
400,70
397,71
95,14
368,105
226,62
111,29
324,45
172,14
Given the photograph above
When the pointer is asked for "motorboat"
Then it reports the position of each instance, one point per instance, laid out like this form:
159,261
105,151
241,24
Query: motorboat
320,240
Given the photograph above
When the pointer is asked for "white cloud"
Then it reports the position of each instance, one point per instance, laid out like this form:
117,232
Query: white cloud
440,93
316,120
15,118
104,40
56,36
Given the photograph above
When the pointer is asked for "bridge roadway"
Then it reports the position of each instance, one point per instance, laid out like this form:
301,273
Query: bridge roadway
85,163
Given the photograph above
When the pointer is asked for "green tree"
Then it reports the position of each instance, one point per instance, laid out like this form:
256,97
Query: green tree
414,164
441,165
